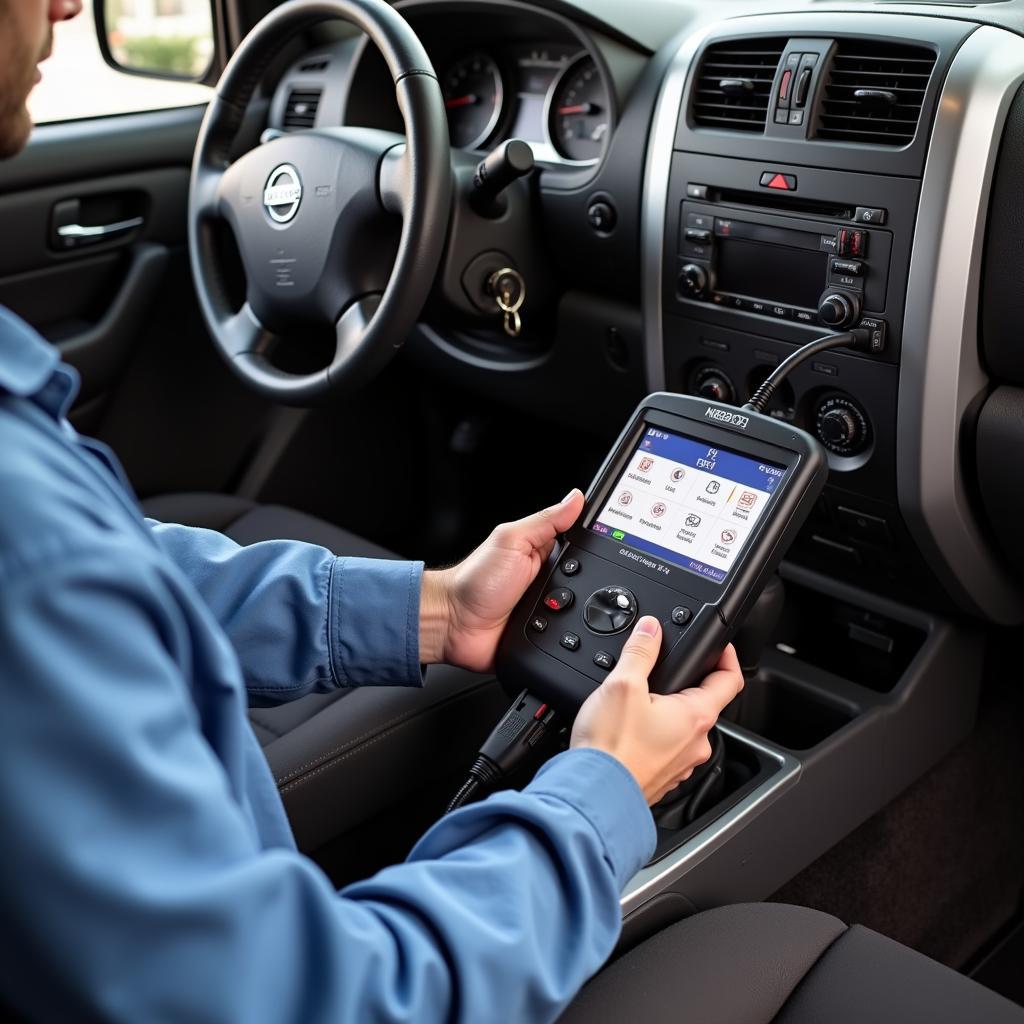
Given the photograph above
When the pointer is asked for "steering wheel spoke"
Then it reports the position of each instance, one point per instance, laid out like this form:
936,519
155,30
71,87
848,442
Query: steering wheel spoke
244,334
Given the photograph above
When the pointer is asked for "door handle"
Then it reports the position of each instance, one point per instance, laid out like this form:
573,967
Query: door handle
76,234
114,216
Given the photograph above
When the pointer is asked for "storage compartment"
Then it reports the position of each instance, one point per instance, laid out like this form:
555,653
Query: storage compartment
866,647
791,716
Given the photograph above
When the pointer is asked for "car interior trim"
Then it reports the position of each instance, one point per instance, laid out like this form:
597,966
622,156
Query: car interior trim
942,376
654,201
659,876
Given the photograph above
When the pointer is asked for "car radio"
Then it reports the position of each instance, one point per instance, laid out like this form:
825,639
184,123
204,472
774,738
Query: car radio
686,520
774,265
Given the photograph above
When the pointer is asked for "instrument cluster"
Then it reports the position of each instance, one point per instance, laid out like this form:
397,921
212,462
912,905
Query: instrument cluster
552,96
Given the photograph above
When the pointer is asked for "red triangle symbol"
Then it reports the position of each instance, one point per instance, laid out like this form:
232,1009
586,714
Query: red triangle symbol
778,182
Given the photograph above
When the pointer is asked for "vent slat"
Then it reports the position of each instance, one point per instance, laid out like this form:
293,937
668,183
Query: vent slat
897,68
300,109
756,61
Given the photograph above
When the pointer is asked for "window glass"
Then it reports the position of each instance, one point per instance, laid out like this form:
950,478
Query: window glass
78,83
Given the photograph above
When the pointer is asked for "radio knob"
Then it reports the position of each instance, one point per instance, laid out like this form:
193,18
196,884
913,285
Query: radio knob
837,309
841,426
693,281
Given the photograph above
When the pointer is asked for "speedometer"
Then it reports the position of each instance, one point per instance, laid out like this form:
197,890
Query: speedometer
579,117
473,96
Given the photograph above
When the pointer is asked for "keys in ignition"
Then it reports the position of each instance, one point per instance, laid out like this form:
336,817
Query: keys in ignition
509,291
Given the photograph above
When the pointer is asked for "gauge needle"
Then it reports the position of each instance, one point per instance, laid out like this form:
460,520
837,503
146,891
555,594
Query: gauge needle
461,101
579,108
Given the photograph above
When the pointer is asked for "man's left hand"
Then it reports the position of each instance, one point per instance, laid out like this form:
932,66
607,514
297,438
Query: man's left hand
463,610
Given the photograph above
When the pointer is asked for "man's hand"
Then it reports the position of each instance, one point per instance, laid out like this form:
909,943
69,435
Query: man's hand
660,738
463,610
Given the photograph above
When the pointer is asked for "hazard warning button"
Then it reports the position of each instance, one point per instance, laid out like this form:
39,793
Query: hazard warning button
782,182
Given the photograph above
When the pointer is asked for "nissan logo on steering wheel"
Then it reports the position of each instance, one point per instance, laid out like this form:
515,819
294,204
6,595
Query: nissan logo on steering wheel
282,193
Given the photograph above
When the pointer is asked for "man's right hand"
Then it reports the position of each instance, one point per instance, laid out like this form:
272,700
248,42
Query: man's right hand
660,738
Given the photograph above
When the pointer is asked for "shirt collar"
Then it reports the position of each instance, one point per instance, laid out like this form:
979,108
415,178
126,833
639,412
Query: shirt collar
30,366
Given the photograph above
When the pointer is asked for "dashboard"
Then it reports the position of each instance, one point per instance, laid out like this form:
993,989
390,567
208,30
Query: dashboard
717,185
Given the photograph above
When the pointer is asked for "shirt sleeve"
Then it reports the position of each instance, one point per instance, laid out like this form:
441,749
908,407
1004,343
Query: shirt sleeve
299,618
134,887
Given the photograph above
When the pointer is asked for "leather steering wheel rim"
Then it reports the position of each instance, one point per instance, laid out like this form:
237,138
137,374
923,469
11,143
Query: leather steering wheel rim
372,327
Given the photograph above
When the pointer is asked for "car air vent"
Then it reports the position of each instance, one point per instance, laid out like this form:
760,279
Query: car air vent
874,92
300,110
316,64
734,84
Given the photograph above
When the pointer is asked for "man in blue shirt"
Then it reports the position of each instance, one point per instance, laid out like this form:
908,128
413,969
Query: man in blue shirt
149,871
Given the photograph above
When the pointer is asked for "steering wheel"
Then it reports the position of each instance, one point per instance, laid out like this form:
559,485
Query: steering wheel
315,214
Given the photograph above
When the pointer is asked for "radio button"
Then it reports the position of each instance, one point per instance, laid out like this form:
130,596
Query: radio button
693,281
870,215
758,307
852,267
852,242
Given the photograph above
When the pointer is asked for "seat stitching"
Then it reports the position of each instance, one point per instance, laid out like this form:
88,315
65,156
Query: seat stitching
321,762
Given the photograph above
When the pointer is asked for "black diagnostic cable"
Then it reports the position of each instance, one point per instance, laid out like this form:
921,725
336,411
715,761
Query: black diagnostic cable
520,730
859,339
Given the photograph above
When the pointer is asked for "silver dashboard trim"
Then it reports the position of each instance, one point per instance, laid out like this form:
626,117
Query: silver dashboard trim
654,201
941,374
657,877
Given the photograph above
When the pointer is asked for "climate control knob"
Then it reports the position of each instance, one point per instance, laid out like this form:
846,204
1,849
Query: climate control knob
693,281
838,309
711,382
841,426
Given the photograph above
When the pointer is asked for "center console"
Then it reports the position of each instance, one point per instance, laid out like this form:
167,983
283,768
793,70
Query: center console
805,175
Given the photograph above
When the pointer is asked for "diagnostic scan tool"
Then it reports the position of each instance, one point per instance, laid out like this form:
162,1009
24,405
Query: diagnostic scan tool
686,520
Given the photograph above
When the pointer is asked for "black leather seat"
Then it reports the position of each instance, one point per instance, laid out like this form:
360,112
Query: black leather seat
768,962
340,758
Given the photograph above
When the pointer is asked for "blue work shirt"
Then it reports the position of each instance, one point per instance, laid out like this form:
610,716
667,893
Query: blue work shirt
148,870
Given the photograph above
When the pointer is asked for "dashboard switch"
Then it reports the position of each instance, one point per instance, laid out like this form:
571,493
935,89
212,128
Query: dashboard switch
777,180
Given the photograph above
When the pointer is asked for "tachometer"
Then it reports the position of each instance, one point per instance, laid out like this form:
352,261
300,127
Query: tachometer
473,96
579,117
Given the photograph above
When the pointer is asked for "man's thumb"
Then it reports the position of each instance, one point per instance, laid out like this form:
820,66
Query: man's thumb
641,649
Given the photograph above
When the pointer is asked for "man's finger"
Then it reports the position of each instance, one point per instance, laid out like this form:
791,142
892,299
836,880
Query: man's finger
540,528
722,685
641,650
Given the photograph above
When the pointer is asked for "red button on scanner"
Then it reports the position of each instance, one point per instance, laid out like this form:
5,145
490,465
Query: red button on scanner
559,599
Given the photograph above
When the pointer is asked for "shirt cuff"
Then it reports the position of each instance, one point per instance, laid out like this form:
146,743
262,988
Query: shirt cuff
601,788
374,622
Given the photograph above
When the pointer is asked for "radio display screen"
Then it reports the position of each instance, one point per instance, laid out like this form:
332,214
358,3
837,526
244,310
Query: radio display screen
775,273
688,503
